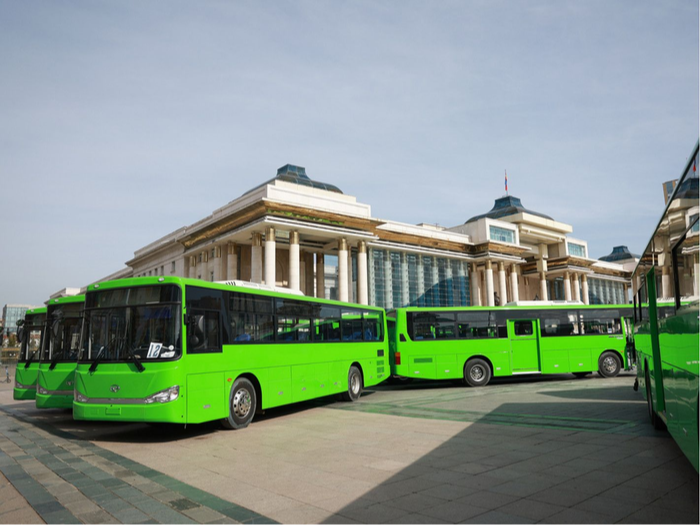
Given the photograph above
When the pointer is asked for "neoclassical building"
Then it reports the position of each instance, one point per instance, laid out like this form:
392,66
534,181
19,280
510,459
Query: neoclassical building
295,232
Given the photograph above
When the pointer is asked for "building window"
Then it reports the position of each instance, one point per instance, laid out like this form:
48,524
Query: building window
576,250
172,267
501,234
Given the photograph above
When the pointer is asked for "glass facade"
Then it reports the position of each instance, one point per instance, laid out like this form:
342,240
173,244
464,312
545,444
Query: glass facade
398,279
601,291
576,250
501,234
10,315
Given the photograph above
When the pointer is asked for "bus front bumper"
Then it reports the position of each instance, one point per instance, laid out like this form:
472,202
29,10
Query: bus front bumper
173,412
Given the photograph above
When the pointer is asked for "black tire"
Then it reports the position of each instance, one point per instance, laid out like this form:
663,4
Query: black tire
355,385
243,401
477,372
653,417
609,364
580,375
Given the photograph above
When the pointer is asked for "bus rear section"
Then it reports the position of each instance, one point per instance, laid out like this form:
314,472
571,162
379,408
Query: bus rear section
476,344
188,351
30,335
59,355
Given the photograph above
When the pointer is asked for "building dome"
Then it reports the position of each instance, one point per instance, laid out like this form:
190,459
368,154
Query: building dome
619,253
297,175
506,206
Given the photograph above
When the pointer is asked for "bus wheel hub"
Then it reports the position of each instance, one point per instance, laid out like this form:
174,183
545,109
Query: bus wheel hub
241,403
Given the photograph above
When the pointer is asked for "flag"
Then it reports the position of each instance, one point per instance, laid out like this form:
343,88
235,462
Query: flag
506,180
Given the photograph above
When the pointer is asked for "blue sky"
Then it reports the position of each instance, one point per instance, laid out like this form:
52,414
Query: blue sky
123,121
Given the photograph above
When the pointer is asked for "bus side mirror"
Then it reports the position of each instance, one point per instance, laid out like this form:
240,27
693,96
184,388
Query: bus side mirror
21,332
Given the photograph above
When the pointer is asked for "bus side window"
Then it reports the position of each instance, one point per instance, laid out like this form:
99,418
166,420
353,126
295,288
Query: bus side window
204,334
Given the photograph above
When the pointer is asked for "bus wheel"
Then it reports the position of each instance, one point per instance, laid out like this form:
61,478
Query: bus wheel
609,364
580,375
655,419
242,404
354,385
477,372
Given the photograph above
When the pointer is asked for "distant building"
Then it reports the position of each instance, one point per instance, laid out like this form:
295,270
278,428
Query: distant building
668,189
307,235
11,313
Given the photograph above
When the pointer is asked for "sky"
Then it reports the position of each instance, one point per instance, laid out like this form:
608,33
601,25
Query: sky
122,121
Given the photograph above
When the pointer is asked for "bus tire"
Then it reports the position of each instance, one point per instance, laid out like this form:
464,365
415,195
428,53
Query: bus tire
354,385
609,364
477,372
242,404
580,375
653,417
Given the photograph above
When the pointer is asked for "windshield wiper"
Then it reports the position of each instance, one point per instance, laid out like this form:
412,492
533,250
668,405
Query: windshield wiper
31,358
136,360
93,366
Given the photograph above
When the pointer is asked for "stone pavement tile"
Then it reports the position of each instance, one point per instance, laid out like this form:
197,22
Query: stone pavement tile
487,499
682,499
414,518
615,510
626,492
415,502
306,514
60,516
528,485
558,495
23,515
336,519
454,512
472,468
596,482
373,513
659,477
497,516
576,516
531,509
82,507
655,514
202,515
448,492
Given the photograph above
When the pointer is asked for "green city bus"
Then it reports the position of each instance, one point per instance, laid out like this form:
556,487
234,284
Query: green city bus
176,350
59,354
478,343
667,341
30,333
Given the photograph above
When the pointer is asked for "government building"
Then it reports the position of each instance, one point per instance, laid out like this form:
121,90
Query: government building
295,232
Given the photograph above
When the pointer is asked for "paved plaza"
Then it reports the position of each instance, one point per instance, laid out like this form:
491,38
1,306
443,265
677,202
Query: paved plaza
550,450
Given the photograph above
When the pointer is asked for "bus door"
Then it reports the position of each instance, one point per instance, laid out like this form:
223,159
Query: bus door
524,346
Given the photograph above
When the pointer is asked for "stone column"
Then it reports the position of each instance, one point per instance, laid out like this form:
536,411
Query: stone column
665,282
515,292
584,285
696,275
388,292
320,276
421,277
490,301
362,290
343,270
256,258
351,295
232,262
270,252
567,286
436,283
294,260
543,287
502,283
191,266
577,288
474,278
205,266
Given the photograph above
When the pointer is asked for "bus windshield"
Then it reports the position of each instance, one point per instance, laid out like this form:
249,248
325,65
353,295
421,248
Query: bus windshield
31,338
63,335
117,329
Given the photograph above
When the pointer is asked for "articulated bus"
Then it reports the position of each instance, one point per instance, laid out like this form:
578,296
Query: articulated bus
667,343
176,350
59,354
30,333
478,343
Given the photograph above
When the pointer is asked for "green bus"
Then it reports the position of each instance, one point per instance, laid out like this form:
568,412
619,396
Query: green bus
667,339
478,343
176,350
59,353
30,332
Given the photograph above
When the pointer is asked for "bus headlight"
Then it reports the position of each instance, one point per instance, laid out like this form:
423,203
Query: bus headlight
80,398
42,390
24,387
164,396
